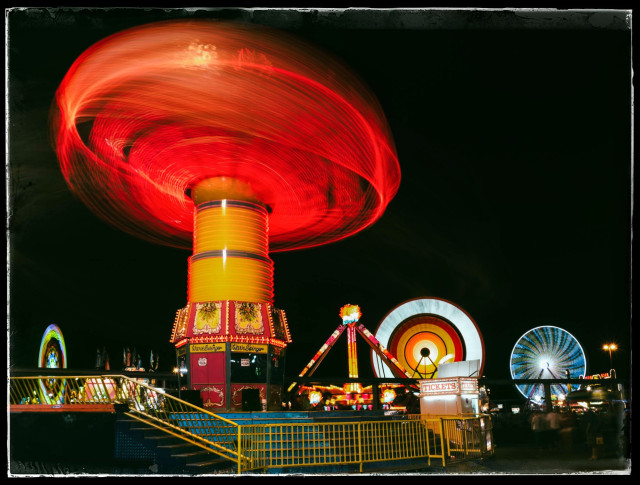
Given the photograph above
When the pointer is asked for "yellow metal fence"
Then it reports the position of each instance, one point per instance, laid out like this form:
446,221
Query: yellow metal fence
466,436
283,445
280,445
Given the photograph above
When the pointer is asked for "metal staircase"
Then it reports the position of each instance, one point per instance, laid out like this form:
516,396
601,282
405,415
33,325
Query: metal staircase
164,451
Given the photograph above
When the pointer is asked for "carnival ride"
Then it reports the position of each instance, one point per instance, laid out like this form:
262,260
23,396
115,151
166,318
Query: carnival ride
351,395
425,333
546,352
52,355
53,351
233,141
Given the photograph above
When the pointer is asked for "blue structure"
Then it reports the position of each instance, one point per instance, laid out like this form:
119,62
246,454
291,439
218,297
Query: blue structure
547,352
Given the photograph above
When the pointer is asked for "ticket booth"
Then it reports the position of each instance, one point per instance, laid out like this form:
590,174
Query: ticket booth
449,396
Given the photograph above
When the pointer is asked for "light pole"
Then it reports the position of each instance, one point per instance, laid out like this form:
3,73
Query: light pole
176,370
610,348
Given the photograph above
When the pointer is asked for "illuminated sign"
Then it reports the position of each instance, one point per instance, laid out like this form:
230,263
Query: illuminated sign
439,386
468,386
253,348
200,348
449,386
604,375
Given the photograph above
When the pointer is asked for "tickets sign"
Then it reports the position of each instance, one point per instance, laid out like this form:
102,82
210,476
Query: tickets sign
439,386
448,386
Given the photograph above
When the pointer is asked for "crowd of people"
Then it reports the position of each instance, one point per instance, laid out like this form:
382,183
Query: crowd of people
598,432
592,433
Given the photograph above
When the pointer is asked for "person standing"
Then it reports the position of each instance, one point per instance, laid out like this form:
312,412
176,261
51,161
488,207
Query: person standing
567,429
538,425
594,433
553,428
98,359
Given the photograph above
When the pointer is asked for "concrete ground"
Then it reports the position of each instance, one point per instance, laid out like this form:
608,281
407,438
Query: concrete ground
529,460
506,461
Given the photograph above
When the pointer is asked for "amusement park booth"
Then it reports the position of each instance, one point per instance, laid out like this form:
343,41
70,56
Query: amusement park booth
232,353
453,393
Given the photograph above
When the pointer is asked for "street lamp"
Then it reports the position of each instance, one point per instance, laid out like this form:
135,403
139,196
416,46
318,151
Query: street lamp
610,348
176,371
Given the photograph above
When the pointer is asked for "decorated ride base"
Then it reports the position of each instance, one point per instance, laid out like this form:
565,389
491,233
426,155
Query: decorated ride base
232,349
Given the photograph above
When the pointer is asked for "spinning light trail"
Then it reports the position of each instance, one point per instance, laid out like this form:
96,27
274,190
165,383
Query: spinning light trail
147,114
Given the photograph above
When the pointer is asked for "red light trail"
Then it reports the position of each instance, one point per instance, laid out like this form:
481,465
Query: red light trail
146,114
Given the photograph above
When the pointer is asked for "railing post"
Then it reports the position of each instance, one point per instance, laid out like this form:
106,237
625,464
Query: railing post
239,449
442,442
360,445
425,427
465,439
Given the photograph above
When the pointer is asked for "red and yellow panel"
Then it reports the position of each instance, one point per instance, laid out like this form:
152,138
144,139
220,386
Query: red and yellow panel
426,332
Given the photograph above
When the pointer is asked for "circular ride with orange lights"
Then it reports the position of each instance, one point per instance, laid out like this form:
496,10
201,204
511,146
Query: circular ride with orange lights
425,333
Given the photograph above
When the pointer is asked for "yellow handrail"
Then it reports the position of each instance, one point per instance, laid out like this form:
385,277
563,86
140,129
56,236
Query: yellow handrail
150,405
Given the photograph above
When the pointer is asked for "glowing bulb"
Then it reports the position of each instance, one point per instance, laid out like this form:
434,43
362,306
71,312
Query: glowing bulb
199,55
350,313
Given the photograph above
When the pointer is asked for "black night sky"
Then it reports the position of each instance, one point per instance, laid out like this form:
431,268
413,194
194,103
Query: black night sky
513,131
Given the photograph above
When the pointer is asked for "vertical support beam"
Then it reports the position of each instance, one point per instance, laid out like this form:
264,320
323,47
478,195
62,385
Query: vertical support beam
547,397
375,389
352,352
268,384
227,377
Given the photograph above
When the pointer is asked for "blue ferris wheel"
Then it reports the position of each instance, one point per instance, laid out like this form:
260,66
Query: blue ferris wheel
546,352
